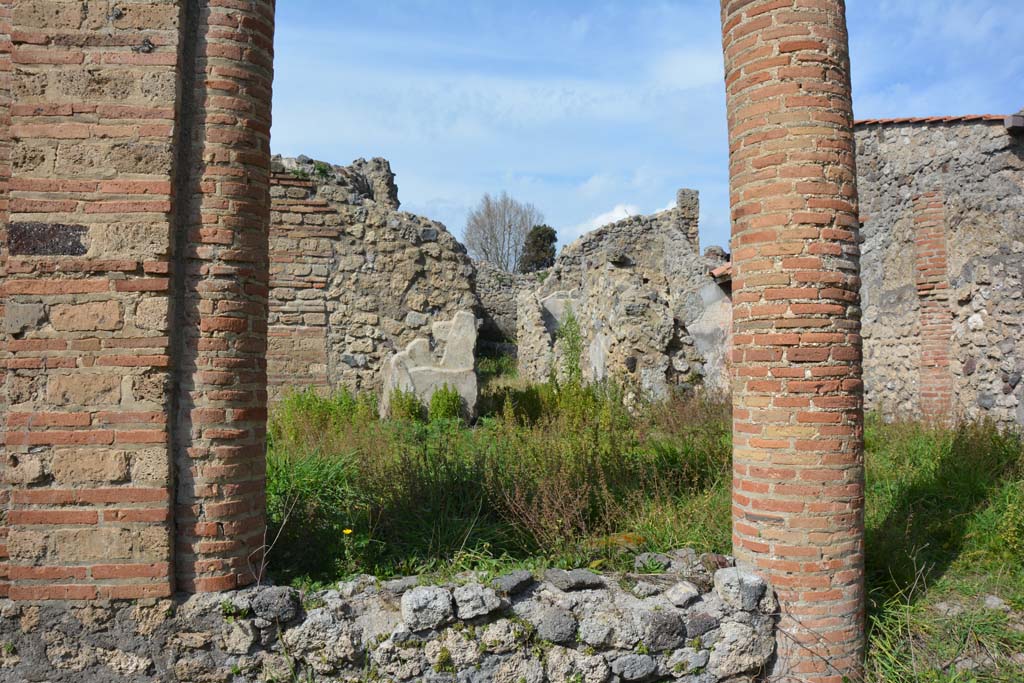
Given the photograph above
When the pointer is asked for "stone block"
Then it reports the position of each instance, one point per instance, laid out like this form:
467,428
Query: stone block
98,315
417,370
81,466
83,389
19,318
151,314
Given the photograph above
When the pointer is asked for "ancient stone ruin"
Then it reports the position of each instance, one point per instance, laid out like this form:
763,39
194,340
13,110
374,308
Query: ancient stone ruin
136,285
686,623
423,371
353,280
649,312
497,293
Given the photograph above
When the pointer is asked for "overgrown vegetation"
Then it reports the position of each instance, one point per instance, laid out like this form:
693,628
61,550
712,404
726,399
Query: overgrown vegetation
561,474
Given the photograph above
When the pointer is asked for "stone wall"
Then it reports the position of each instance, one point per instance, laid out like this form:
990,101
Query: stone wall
689,623
353,279
942,206
497,292
649,312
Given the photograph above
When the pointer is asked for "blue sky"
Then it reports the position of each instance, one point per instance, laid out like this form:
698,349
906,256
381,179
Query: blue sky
589,109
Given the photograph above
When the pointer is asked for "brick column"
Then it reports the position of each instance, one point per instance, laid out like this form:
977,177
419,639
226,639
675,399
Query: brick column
798,447
221,261
5,176
936,315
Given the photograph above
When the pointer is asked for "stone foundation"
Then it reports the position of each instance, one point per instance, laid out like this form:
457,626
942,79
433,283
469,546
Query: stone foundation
688,622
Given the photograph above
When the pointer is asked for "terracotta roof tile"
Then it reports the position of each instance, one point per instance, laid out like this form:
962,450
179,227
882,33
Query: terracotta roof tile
968,118
723,271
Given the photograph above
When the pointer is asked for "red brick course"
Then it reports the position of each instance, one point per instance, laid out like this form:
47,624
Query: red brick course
936,313
797,391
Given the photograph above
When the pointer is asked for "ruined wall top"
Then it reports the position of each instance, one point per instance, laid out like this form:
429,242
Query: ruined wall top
360,181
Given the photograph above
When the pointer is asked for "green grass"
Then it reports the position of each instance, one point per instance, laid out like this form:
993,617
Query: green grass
945,528
563,475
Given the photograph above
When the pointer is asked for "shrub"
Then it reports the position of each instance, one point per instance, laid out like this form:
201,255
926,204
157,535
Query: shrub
446,404
570,339
322,170
494,367
405,405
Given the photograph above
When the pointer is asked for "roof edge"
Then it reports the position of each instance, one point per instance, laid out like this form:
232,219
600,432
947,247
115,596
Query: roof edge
967,118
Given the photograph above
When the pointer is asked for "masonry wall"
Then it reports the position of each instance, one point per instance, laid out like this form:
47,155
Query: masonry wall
497,292
942,206
353,279
133,256
650,314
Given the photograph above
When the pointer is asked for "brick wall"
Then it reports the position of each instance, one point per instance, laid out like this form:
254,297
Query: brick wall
798,486
301,257
5,174
134,295
86,294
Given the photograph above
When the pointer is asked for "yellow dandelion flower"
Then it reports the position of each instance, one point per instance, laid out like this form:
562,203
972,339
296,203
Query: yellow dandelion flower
346,531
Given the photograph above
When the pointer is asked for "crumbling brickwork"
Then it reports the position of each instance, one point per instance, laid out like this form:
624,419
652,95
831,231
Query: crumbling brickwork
942,206
798,490
354,280
134,295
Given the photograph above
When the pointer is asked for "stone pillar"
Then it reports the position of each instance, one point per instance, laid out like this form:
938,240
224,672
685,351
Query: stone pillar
798,493
936,313
134,264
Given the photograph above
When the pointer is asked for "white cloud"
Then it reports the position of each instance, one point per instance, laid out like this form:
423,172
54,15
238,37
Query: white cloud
597,185
618,213
689,68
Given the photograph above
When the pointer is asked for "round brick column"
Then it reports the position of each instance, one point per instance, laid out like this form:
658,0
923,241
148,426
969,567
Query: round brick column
798,492
221,281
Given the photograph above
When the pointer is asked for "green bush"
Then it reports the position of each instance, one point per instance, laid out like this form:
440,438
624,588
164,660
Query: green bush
405,405
493,367
556,469
570,338
446,404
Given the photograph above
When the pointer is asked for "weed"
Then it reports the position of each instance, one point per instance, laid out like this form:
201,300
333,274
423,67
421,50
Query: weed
446,404
570,338
445,663
405,405
322,170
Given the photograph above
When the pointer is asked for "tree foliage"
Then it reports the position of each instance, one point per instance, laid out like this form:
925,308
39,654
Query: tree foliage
539,250
496,230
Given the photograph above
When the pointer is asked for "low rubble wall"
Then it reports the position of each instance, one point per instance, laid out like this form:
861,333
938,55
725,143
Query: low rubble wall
695,619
